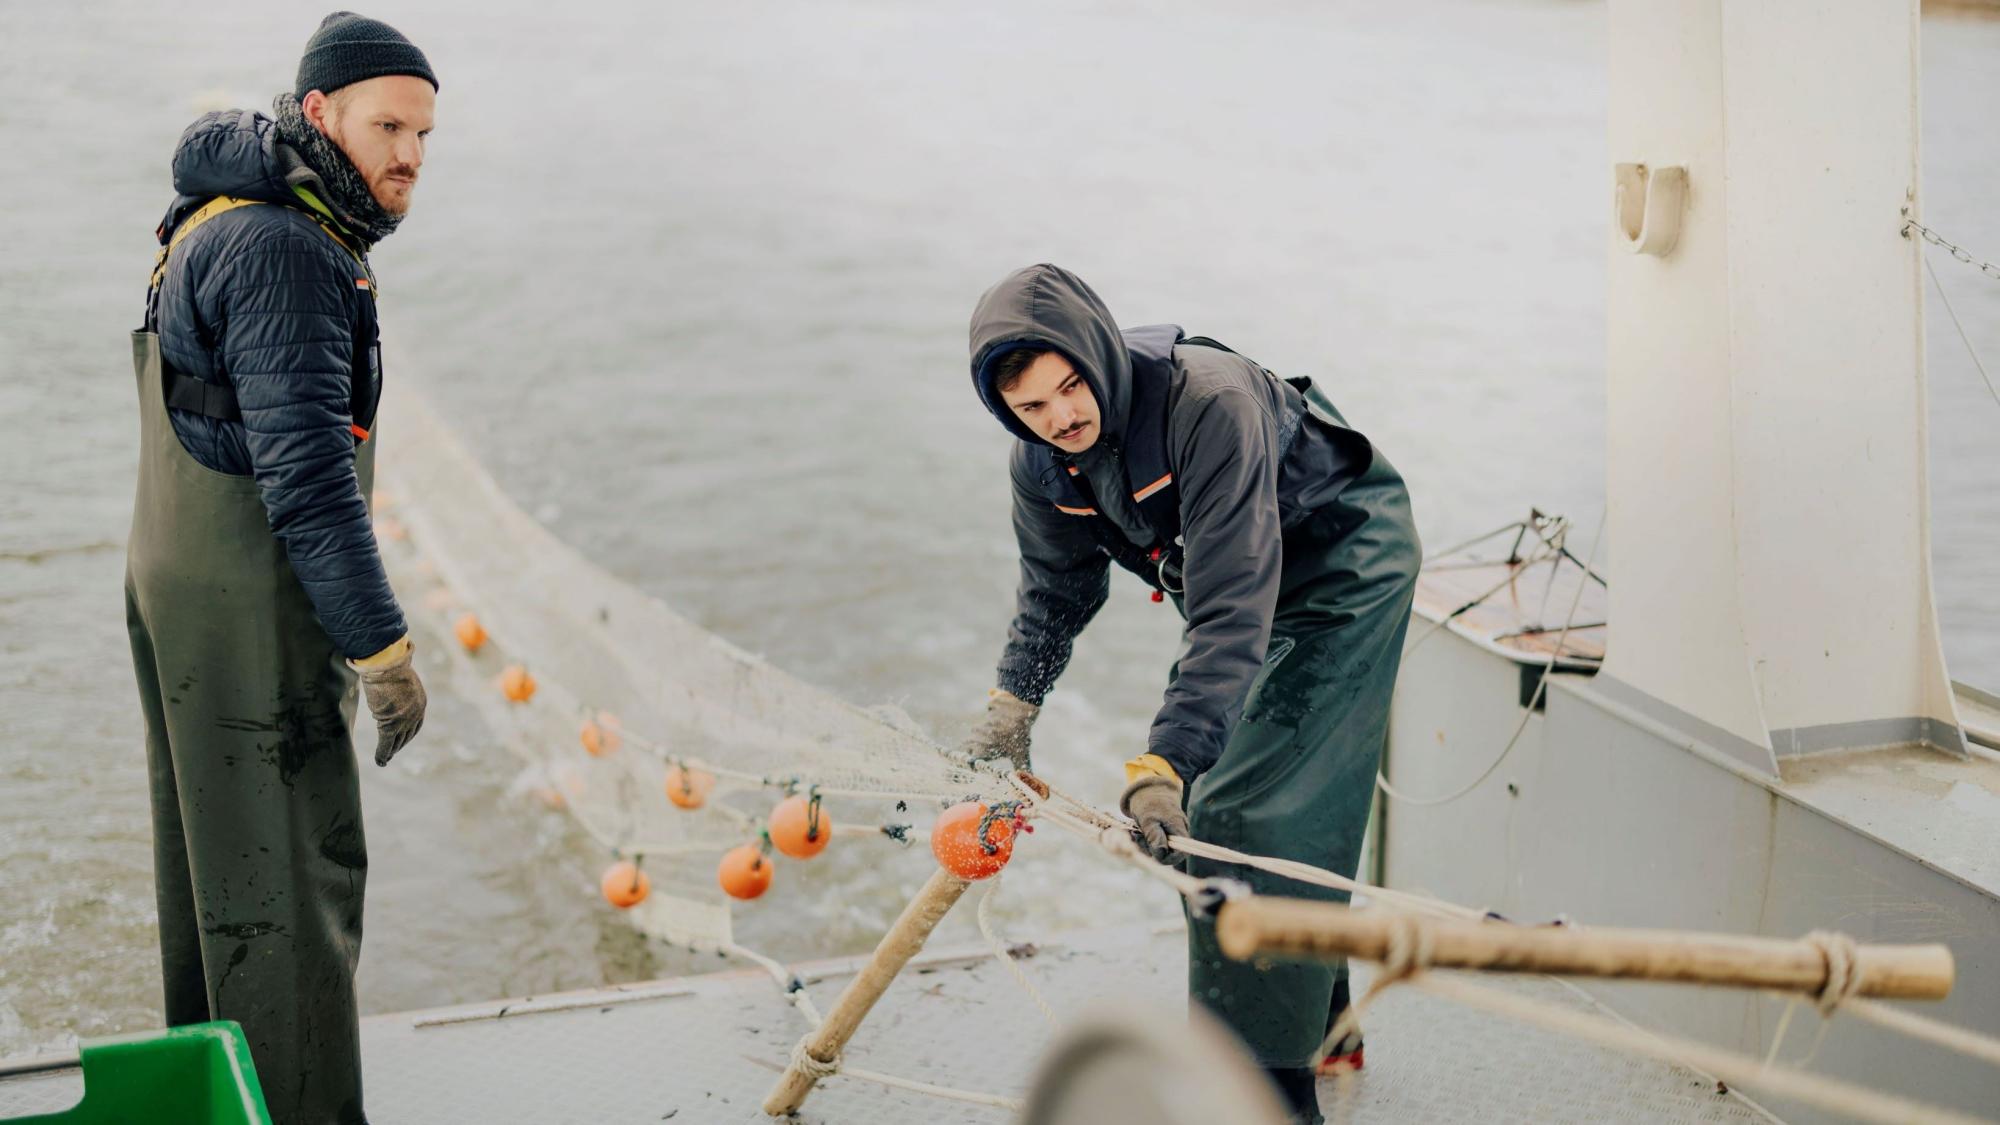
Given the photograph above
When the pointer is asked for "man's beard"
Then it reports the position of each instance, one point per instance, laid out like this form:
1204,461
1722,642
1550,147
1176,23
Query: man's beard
350,196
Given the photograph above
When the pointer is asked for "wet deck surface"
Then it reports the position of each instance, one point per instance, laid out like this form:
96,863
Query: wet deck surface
704,1049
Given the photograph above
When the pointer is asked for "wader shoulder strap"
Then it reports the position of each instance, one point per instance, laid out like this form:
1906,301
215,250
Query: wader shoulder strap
218,400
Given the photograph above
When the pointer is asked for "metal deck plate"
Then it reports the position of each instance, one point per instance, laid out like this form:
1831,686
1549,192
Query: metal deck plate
958,1020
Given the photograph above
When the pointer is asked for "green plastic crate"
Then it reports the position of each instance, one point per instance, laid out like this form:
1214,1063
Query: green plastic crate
195,1075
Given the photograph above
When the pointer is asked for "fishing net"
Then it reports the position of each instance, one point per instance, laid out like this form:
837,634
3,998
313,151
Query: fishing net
626,691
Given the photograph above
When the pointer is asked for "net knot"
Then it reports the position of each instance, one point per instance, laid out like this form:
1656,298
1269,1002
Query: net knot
809,1065
1409,949
1843,970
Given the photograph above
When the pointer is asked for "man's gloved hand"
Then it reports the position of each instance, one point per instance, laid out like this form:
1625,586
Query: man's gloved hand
395,697
1003,733
1154,804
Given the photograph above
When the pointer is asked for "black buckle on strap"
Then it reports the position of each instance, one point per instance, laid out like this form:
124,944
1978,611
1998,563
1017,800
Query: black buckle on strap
210,400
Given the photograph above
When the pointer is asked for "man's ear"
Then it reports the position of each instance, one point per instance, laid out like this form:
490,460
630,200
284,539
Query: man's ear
316,107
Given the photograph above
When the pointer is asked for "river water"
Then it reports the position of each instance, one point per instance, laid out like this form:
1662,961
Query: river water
692,279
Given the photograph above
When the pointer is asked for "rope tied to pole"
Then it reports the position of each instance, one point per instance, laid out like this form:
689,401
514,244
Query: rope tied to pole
1409,951
1843,973
811,1066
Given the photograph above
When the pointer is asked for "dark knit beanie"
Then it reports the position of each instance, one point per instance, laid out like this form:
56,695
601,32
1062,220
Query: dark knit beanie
348,48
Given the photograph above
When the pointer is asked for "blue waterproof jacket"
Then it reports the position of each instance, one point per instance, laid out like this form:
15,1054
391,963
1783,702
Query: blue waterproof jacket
263,300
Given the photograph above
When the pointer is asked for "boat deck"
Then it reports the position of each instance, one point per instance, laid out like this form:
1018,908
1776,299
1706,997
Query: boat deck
705,1049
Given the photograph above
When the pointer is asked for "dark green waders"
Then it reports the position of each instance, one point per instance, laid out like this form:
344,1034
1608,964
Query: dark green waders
258,856
1297,778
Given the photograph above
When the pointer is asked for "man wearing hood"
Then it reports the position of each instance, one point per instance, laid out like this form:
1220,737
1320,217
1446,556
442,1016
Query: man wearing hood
1283,537
255,596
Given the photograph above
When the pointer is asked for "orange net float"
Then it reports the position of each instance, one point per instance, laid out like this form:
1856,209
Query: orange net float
516,684
625,885
687,787
469,631
600,734
800,828
974,840
745,871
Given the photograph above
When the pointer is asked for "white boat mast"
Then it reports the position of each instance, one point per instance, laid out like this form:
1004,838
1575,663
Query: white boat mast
1769,507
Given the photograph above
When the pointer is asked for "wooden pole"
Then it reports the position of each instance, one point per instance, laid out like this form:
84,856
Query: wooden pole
1267,926
903,941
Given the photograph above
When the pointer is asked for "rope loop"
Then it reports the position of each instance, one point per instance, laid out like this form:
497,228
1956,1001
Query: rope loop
1409,951
805,1063
1843,970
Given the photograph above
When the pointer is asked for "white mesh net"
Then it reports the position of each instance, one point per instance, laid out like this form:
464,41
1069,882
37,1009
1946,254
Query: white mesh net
660,691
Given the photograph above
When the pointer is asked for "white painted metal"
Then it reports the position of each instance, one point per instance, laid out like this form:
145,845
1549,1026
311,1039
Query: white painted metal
1768,504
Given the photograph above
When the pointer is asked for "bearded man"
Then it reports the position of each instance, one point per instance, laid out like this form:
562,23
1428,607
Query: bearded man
1284,538
255,597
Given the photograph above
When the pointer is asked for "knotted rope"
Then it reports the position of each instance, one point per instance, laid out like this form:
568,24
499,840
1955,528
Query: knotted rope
811,1066
1407,956
1843,970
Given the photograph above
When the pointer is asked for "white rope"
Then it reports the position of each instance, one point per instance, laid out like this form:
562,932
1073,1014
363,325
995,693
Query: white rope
1407,955
949,1093
1830,1094
788,982
1527,713
1321,877
1784,1025
1001,953
1983,1047
1963,338
1101,822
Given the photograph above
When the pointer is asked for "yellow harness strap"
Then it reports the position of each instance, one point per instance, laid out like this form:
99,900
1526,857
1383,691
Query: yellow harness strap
224,203
206,212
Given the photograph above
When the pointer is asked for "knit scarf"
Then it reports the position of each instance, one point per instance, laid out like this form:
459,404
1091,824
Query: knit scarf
341,187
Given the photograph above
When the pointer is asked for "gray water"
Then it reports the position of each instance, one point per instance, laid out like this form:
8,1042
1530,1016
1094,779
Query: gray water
693,279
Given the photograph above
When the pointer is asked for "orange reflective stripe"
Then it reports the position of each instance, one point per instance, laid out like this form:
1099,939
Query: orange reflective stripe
357,431
1077,511
1153,487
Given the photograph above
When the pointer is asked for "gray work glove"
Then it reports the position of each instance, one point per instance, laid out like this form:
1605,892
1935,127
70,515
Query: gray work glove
1154,804
396,698
1003,733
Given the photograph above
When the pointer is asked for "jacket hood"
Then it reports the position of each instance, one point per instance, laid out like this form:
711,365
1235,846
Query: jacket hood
1048,306
234,152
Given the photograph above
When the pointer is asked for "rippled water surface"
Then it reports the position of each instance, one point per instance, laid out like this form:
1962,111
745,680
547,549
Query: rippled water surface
693,280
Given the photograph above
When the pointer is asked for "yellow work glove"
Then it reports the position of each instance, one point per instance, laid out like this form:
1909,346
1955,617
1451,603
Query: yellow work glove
395,695
1003,733
1152,798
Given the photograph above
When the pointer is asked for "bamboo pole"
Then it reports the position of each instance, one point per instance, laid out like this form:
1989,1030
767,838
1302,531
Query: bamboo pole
903,941
1267,926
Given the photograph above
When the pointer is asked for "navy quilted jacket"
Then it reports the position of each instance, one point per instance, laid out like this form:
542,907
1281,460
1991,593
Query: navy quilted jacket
261,298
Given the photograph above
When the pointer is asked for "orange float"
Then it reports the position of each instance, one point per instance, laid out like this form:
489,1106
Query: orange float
973,840
745,872
516,684
688,788
600,735
624,885
469,631
800,827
